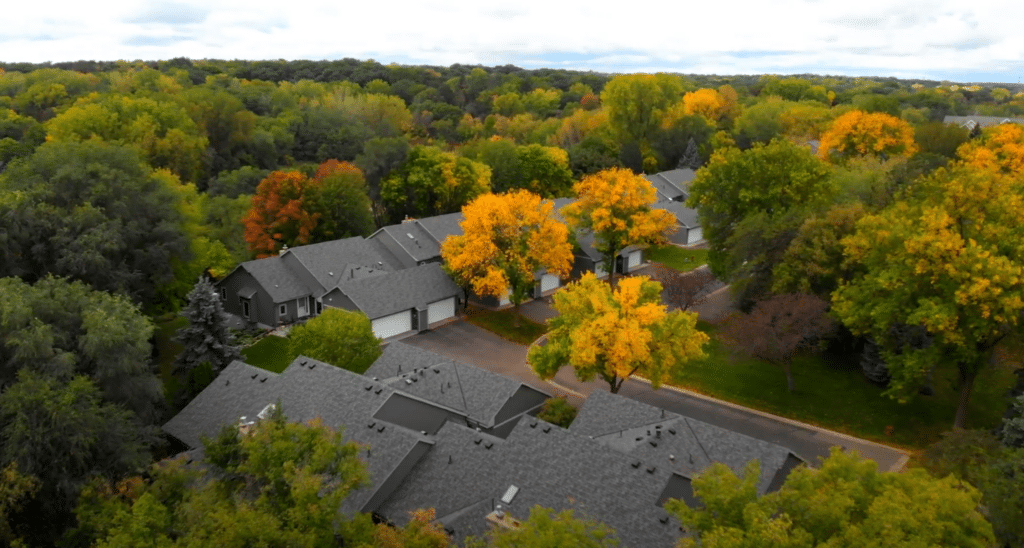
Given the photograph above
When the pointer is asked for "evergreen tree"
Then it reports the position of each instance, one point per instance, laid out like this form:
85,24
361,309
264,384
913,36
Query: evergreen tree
207,339
691,157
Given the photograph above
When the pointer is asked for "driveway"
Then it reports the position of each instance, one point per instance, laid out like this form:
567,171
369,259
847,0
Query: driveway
470,344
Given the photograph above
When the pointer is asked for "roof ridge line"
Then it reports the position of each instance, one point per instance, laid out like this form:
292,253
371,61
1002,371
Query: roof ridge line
462,392
695,437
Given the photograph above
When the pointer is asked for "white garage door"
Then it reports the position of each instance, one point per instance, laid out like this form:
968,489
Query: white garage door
634,259
695,235
392,325
599,270
504,300
548,282
441,310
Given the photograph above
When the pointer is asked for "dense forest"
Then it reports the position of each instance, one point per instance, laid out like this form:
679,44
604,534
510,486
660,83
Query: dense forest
121,183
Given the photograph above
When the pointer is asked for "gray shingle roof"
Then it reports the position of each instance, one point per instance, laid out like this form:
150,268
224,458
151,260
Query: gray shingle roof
240,390
329,261
473,392
584,239
685,216
652,435
673,184
983,121
277,279
551,467
441,226
379,296
421,247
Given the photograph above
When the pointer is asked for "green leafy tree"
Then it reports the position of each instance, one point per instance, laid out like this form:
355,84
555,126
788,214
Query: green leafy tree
279,485
814,262
93,212
434,182
338,337
340,197
617,334
63,329
770,181
950,260
547,529
636,103
206,339
62,433
15,488
846,502
557,411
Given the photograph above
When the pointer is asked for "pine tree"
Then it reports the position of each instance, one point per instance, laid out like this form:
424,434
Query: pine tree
691,157
207,339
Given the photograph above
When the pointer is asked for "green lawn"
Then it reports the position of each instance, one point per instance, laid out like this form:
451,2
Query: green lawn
167,351
501,323
678,258
833,393
270,353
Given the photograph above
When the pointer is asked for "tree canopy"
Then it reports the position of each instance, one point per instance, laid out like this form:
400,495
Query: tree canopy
951,260
434,182
617,334
338,337
858,133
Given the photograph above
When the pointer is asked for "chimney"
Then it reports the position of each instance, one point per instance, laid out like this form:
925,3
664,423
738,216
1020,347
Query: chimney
499,519
284,249
245,427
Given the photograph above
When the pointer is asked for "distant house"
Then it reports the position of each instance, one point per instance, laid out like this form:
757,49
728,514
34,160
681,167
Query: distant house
672,185
353,273
445,435
688,231
972,122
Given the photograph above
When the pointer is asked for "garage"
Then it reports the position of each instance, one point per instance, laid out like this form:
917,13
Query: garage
548,282
694,235
441,310
634,259
392,325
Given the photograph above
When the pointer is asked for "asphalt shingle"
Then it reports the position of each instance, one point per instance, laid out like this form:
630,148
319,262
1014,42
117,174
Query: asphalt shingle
379,296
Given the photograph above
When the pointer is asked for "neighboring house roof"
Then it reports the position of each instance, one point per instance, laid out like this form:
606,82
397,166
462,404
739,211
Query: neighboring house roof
330,262
277,279
414,240
685,216
681,444
550,466
672,185
416,287
585,238
982,121
235,393
441,226
473,392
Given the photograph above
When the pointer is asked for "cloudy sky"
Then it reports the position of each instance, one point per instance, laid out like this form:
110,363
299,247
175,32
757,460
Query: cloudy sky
956,40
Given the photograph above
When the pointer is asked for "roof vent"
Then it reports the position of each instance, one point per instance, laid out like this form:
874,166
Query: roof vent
510,494
410,236
672,431
652,469
254,375
381,429
635,464
304,361
227,382
663,519
547,429
478,440
654,443
671,457
533,424
378,391
376,379
330,273
368,387
380,263
489,444
371,425
408,381
264,379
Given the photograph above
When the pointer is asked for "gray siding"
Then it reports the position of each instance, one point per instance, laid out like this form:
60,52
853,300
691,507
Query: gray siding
337,299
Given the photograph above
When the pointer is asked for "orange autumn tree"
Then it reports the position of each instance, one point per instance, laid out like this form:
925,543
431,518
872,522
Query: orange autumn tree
999,147
617,333
278,216
704,102
506,239
859,133
615,206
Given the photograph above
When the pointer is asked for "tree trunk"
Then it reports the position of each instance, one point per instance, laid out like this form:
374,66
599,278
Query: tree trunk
789,376
615,384
516,317
966,386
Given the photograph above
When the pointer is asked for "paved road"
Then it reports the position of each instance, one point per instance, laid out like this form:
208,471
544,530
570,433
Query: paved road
470,344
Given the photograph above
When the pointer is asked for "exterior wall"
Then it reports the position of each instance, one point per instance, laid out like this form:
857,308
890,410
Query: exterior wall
260,306
389,242
338,300
295,266
680,236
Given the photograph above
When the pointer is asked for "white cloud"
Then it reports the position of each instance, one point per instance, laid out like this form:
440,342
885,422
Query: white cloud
878,37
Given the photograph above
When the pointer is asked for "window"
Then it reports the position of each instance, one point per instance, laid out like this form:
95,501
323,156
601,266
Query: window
284,309
245,309
224,293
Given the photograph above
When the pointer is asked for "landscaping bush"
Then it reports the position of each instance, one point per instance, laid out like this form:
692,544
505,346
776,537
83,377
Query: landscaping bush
557,411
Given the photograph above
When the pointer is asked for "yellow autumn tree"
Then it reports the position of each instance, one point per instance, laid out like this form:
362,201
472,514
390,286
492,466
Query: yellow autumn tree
704,102
615,206
617,333
859,133
506,239
1000,147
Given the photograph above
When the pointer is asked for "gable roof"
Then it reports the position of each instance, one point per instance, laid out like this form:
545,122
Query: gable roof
673,184
440,227
473,392
328,262
982,121
414,240
277,279
685,216
416,287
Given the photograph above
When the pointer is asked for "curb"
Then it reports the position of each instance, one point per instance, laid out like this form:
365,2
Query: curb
898,466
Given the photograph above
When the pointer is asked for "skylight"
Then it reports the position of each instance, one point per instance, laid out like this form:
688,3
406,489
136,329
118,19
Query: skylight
510,494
